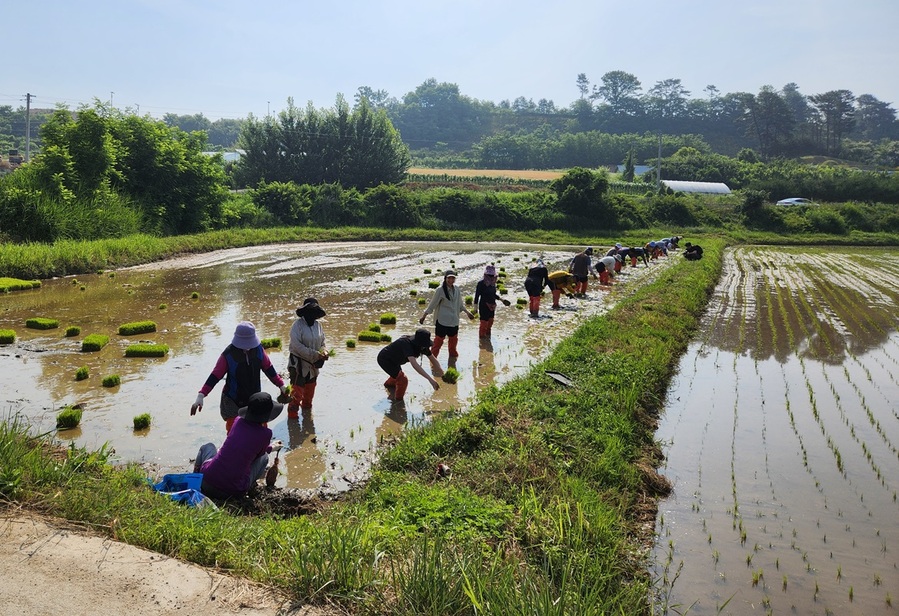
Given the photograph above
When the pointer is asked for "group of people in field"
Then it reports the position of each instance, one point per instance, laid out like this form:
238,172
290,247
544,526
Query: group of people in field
242,460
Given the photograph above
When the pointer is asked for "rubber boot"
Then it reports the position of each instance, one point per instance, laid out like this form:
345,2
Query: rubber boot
308,393
453,341
534,306
402,382
435,347
489,327
557,294
633,261
390,382
604,278
484,329
617,266
296,399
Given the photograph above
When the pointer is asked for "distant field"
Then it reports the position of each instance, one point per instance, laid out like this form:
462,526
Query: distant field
492,173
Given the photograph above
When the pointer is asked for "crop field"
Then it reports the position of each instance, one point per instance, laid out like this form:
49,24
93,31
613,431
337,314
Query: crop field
512,174
781,433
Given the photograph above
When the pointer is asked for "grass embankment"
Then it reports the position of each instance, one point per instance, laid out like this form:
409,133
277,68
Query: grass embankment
546,505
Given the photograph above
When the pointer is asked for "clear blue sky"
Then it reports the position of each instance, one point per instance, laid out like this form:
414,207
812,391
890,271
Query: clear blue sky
225,58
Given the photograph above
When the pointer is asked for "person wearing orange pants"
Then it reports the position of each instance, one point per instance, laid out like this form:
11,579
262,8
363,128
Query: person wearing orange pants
446,304
485,298
537,279
403,350
561,282
581,267
308,354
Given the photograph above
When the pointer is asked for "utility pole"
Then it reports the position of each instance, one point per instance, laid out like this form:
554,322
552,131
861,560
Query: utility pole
27,127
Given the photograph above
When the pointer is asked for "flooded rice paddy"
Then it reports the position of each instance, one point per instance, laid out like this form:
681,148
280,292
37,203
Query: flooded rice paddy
355,283
781,433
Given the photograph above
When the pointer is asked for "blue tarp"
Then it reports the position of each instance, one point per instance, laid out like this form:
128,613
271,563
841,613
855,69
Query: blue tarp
183,488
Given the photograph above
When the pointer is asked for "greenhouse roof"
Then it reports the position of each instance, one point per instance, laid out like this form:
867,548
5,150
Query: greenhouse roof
717,188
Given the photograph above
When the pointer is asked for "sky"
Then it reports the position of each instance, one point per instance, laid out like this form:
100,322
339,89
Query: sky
229,59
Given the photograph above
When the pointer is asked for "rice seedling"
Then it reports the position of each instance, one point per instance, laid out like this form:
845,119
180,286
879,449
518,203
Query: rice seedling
142,421
469,300
69,417
112,380
422,301
137,327
385,338
270,343
7,336
433,284
388,318
82,373
41,323
350,343
146,350
450,375
374,327
15,284
195,295
413,292
94,342
163,306
427,271
368,336
72,330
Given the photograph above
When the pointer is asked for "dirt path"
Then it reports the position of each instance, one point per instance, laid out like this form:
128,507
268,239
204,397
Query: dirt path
52,568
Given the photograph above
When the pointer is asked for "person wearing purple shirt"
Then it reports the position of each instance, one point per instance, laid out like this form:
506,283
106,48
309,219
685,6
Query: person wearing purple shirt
242,459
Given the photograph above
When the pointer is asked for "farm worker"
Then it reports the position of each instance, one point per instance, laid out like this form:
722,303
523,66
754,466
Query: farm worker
662,247
560,281
234,469
446,305
581,267
485,297
651,250
407,349
634,253
536,280
240,364
605,267
616,250
308,354
692,252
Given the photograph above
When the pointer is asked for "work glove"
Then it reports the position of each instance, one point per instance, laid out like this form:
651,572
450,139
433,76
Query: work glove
284,396
277,445
197,405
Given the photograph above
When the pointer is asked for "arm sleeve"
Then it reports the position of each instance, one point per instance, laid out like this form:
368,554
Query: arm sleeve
219,371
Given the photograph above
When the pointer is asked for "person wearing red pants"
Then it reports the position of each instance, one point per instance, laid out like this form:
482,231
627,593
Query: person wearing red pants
407,349
308,355
446,305
562,282
537,279
485,298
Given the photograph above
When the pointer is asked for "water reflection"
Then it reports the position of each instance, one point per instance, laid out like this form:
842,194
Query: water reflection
196,301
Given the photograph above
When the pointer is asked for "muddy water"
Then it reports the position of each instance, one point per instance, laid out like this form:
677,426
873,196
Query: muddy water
781,432
355,283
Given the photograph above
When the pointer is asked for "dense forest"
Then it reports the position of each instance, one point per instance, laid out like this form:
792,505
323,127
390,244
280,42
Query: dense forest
608,121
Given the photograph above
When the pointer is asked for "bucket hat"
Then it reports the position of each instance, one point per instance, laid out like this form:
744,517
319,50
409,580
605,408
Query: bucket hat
311,308
260,408
490,270
422,338
245,336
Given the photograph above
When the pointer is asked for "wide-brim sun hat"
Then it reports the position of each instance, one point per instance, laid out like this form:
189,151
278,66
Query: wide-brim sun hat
245,336
311,308
260,408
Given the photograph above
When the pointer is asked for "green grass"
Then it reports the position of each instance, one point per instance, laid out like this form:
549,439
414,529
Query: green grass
146,350
540,515
41,323
7,336
94,342
137,327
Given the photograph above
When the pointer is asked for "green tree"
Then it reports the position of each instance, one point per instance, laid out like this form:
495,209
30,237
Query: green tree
835,117
769,120
668,99
874,119
621,90
628,175
581,192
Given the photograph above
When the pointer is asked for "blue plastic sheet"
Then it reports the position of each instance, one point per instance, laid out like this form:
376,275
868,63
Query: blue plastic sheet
183,488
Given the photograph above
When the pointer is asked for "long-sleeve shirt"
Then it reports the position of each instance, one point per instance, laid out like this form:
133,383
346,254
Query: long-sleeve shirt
241,381
485,293
229,470
305,342
446,310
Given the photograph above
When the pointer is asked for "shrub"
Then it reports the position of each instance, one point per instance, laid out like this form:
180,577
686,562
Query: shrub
41,323
94,342
388,318
142,421
72,330
69,417
369,336
137,327
112,380
350,343
146,350
7,336
82,373
827,221
271,343
451,375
